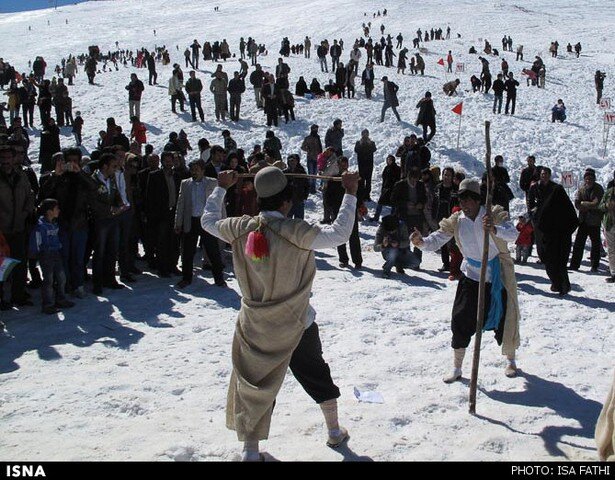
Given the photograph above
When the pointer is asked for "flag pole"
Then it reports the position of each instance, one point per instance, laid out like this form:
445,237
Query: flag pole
459,131
480,315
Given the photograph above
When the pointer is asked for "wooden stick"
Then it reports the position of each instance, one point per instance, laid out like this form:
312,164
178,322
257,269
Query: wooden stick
296,175
480,315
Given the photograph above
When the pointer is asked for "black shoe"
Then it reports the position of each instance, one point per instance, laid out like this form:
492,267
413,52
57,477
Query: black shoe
576,269
443,268
220,283
24,302
610,279
136,271
400,270
35,283
357,266
128,278
50,310
343,264
183,284
114,286
594,269
64,304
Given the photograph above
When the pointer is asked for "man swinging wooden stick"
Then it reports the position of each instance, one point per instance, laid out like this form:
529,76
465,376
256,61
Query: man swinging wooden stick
273,258
467,226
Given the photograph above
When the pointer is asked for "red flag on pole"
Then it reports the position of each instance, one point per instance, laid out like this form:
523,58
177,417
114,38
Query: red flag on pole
458,108
441,62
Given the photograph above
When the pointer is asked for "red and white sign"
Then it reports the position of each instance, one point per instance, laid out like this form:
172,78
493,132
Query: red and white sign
605,103
567,179
460,67
609,118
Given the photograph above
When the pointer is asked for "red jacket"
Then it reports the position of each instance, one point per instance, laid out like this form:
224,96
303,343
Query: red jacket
138,132
525,234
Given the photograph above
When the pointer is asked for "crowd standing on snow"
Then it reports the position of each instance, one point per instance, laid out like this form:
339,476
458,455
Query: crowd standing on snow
125,208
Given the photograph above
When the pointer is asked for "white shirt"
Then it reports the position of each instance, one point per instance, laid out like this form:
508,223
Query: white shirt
106,181
329,236
198,198
471,234
120,181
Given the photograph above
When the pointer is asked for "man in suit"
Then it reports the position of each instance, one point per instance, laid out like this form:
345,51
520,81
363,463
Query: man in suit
193,193
149,236
162,191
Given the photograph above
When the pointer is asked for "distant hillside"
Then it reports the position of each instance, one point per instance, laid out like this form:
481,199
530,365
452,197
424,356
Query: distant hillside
8,6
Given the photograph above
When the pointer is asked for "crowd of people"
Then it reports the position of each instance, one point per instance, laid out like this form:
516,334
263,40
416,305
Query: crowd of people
126,207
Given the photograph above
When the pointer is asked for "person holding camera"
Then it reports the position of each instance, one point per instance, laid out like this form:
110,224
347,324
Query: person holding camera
599,81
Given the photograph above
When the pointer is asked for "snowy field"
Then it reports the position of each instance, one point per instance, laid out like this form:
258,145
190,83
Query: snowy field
142,375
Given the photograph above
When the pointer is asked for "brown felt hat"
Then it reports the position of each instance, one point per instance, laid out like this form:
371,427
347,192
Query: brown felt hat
269,181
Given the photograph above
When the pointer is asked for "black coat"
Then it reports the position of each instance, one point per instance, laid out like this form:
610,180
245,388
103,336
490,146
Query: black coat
390,94
157,195
72,190
301,88
390,176
301,186
365,153
400,196
50,144
427,112
555,215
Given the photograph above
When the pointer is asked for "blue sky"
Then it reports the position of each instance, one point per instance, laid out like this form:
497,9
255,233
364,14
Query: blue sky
22,5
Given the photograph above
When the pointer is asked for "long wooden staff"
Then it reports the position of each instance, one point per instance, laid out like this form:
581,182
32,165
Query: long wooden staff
296,175
480,316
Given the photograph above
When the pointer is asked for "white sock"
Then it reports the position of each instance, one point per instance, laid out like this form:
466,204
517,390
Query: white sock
329,410
458,355
250,451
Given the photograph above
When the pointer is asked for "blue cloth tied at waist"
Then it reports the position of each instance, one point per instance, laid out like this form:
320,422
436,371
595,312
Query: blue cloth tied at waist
496,308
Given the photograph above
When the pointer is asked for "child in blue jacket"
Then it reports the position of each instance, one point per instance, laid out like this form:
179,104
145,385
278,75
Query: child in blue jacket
45,244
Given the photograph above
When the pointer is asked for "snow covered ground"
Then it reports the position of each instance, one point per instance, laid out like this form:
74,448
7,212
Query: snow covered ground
142,375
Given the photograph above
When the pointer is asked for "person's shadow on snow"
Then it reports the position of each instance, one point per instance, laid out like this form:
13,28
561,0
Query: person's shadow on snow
350,456
563,400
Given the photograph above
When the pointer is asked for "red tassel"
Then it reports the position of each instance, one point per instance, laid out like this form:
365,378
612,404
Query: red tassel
257,247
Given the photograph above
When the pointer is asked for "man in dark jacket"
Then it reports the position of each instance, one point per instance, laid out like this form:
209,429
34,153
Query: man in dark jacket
335,195
321,52
498,93
336,52
510,86
162,192
135,90
301,187
72,188
590,218
312,146
106,205
445,198
365,148
256,80
151,68
16,205
599,83
426,116
149,235
554,222
334,135
528,175
409,197
367,79
235,88
390,98
194,87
